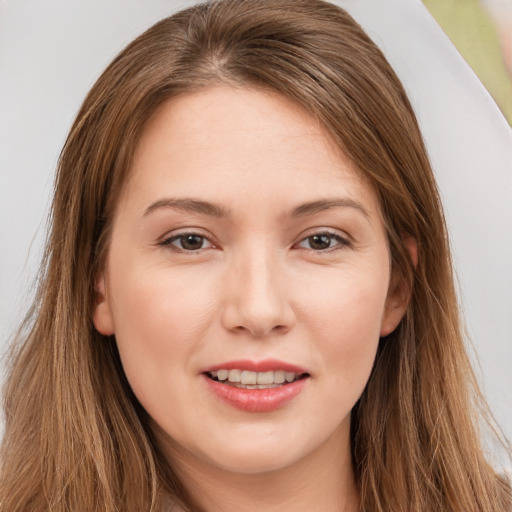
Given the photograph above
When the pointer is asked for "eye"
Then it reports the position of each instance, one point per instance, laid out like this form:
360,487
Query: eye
323,242
187,242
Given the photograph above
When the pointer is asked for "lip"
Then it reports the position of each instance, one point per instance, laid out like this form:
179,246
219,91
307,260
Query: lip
255,400
266,365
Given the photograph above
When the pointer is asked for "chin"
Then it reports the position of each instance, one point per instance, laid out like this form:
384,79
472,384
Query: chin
256,458
269,448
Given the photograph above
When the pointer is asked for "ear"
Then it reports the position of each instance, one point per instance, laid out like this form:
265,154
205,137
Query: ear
102,315
399,293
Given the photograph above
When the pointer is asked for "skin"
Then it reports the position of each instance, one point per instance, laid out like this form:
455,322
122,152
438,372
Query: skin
255,287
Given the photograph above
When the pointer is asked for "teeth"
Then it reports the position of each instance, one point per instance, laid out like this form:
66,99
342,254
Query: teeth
254,386
254,380
234,375
221,374
248,377
265,378
279,377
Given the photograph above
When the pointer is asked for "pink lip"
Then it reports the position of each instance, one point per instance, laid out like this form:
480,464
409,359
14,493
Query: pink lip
255,400
267,365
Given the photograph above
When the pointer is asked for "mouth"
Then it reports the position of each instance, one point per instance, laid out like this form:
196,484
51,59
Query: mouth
245,379
256,387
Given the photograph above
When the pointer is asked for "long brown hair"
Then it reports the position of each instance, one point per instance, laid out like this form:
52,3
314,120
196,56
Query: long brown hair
76,438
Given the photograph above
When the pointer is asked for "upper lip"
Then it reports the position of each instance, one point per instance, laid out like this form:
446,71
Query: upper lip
266,365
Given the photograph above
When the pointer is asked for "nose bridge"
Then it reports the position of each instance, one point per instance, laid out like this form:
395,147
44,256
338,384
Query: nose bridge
258,301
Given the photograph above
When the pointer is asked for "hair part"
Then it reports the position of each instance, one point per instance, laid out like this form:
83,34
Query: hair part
76,438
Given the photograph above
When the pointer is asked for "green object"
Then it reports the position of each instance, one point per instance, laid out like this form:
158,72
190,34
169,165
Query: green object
473,33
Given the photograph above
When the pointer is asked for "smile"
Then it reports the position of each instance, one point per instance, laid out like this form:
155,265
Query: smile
245,379
256,387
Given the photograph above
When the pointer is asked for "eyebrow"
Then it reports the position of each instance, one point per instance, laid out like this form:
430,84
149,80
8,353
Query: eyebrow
188,205
214,210
326,204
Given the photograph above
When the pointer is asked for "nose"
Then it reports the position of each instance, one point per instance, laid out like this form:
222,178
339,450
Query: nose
258,297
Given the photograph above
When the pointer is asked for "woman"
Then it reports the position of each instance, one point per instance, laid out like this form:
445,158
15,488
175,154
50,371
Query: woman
247,299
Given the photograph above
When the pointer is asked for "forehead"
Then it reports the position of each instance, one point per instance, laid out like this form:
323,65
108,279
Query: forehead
230,142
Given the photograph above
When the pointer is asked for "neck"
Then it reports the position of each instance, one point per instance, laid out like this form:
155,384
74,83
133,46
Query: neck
323,480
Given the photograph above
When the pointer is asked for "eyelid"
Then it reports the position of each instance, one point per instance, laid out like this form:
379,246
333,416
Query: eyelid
167,239
344,240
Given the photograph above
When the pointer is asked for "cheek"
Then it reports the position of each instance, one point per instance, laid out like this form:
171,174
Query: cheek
346,317
161,320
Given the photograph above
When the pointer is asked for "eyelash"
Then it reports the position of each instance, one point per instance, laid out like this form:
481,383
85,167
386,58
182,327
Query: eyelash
168,242
342,242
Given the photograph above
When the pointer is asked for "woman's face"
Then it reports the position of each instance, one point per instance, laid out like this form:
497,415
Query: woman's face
246,282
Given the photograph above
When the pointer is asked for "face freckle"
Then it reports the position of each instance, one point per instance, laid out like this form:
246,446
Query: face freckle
244,238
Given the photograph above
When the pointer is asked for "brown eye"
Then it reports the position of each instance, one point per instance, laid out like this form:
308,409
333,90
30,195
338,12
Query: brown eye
324,242
320,242
188,242
191,242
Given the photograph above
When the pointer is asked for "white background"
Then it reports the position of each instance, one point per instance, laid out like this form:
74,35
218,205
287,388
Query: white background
51,53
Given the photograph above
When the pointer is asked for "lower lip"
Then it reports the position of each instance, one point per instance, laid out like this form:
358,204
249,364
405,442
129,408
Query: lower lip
256,400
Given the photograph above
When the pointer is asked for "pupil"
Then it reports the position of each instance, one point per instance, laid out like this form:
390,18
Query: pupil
320,241
191,242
